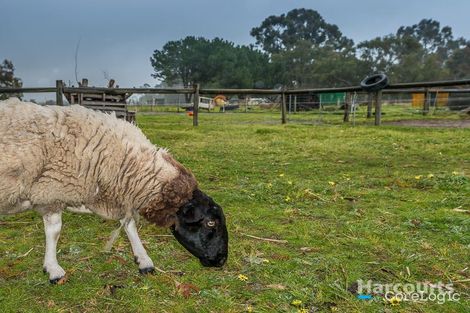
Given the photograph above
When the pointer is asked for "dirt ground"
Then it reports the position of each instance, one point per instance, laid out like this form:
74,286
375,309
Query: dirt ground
432,123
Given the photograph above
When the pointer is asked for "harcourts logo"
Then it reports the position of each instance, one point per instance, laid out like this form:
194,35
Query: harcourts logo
396,293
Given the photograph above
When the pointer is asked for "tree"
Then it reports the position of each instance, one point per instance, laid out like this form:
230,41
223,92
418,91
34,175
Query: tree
414,53
459,63
176,61
301,43
335,69
384,53
304,67
284,32
8,79
432,37
293,67
234,66
213,63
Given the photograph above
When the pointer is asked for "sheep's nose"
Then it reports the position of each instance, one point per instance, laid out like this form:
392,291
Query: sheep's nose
215,262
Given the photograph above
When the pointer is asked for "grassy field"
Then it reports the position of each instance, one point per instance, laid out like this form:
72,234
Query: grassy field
329,114
389,204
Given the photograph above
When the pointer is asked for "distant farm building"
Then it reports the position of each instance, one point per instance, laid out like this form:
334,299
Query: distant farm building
438,99
453,100
309,100
108,102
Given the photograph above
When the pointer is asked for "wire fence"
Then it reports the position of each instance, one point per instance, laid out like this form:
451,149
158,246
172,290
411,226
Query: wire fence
428,100
314,108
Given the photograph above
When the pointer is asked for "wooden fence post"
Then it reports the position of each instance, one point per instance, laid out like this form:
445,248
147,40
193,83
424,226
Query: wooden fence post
370,100
347,104
178,105
378,107
196,105
290,104
427,100
59,92
283,107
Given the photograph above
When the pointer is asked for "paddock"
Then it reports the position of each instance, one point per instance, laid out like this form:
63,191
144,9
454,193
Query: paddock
310,210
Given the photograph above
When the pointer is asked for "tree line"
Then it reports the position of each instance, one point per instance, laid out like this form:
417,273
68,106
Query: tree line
301,49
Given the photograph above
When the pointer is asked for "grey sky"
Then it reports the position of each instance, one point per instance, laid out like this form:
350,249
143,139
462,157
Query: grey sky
119,36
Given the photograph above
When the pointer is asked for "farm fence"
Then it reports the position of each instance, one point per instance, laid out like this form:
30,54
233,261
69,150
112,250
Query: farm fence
314,105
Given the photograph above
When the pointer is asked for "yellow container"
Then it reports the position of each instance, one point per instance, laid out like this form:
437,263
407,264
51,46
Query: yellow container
417,100
442,99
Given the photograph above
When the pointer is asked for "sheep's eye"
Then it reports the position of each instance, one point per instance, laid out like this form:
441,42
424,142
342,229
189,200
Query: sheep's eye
210,223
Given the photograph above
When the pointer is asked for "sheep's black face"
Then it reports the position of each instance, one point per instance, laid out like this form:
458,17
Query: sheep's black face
201,229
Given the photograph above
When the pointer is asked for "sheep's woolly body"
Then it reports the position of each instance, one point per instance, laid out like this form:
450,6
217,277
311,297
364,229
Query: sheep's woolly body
57,157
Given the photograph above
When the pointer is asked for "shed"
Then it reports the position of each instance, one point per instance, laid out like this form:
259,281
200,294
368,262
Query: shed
439,99
112,101
334,98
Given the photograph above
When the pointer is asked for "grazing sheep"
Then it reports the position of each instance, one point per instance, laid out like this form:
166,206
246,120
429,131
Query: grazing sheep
54,158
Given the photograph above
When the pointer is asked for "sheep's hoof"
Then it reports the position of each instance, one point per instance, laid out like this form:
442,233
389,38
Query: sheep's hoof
57,281
147,270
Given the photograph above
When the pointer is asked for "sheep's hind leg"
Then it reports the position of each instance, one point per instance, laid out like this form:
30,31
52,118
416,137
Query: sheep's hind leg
140,255
52,227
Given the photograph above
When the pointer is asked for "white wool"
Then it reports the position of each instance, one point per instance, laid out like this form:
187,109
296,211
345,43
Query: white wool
56,157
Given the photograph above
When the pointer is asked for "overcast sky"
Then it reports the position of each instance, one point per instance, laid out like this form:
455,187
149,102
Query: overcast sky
119,36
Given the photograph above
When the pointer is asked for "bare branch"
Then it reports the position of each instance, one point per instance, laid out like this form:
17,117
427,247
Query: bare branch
76,59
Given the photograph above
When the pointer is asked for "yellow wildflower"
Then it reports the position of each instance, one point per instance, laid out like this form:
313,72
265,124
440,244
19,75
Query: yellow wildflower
289,182
287,199
242,277
394,301
418,177
430,175
281,175
296,302
332,183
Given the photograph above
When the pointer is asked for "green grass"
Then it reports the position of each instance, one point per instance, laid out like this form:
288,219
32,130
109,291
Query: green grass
352,202
330,114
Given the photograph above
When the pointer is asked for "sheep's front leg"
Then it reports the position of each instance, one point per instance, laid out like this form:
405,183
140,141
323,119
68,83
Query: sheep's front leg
52,227
140,255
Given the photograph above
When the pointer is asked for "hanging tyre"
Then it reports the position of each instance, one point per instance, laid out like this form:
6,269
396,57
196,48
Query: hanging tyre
374,82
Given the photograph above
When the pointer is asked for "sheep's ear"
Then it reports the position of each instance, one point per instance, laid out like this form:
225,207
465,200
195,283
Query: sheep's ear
190,214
